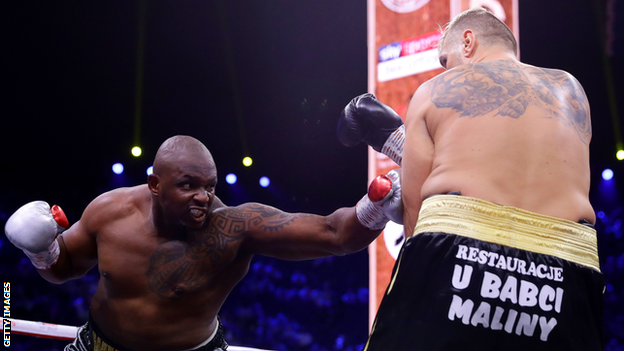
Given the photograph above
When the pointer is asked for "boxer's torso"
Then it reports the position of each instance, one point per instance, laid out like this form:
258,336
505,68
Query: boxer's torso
157,292
508,133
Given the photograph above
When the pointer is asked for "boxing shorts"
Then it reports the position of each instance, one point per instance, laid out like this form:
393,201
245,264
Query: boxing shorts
90,338
479,276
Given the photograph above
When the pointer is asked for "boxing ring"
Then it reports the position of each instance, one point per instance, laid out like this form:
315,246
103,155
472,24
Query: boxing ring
67,332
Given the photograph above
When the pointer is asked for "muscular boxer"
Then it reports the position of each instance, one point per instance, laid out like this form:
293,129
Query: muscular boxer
169,252
511,263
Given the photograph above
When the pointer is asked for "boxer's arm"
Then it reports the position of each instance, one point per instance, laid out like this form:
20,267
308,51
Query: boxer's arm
418,154
299,236
78,246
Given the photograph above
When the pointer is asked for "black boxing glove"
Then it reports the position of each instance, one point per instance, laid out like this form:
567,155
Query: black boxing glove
367,119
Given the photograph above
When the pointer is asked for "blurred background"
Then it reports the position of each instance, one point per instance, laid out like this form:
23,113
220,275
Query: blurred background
85,82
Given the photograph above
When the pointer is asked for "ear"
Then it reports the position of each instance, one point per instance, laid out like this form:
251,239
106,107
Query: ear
469,43
153,183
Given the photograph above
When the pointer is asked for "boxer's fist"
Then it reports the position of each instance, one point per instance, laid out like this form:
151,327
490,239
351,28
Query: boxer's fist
382,203
385,192
368,120
33,228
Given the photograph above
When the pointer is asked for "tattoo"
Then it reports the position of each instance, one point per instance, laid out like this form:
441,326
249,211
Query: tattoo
269,218
190,264
508,88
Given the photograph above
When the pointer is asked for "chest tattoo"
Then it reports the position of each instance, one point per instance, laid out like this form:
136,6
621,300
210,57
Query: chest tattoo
191,263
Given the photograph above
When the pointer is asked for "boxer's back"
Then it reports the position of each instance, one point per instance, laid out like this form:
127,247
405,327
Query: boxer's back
512,134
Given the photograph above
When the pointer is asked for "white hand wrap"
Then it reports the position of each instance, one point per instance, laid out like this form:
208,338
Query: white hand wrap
393,147
370,215
45,259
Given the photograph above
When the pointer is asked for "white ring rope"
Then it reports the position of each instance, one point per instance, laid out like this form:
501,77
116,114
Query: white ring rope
68,332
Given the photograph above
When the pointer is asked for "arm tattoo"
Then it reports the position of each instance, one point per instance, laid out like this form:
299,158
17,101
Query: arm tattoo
190,263
508,89
269,218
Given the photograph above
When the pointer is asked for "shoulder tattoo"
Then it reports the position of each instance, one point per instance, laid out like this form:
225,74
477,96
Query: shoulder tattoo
505,88
269,218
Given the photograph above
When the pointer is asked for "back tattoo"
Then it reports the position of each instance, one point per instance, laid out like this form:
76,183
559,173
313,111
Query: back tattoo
508,88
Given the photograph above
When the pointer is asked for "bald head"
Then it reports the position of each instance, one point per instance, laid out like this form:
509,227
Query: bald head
488,28
180,149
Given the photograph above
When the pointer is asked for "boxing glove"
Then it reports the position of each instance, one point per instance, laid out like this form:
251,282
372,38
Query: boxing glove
382,203
33,229
367,119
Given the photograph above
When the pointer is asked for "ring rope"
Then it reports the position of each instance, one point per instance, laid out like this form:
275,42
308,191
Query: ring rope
68,332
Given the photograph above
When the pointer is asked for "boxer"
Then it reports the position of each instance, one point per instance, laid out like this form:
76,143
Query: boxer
509,261
169,251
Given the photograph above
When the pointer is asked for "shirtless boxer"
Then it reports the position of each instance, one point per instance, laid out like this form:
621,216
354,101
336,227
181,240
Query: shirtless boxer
169,252
511,263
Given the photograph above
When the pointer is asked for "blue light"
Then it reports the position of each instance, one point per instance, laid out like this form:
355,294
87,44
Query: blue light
118,168
339,342
78,301
607,174
150,170
231,178
264,182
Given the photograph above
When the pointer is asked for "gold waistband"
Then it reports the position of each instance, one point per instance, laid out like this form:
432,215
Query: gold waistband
101,345
509,226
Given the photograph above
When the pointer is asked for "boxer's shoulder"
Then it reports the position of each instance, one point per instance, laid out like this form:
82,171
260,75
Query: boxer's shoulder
242,218
239,215
117,204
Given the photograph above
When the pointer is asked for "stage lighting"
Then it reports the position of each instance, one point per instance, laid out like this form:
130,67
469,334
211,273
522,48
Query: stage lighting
247,161
620,155
118,168
150,170
264,182
607,174
230,178
136,151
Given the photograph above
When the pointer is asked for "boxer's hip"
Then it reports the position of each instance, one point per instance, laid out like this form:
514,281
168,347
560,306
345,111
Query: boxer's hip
480,276
90,338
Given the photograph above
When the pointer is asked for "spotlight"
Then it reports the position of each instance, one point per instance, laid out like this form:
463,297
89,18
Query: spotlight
150,170
620,155
247,161
264,182
607,174
230,178
118,168
136,151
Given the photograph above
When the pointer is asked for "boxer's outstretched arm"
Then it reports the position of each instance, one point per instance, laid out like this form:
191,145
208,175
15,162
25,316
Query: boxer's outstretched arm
299,236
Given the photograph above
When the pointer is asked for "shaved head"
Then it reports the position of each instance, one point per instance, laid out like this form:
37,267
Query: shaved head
488,28
180,148
183,182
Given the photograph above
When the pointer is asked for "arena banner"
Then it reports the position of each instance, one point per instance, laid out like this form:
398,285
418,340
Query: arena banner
402,54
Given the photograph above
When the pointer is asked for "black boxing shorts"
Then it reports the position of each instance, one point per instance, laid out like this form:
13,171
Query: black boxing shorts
479,276
90,338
